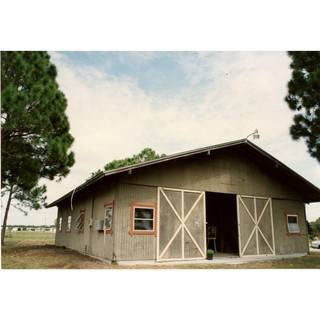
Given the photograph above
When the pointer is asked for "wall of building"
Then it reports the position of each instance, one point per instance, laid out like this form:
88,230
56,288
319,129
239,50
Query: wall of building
227,172
100,244
218,172
74,240
89,241
289,243
133,247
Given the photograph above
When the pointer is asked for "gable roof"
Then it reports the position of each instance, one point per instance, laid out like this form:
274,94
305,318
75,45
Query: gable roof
312,189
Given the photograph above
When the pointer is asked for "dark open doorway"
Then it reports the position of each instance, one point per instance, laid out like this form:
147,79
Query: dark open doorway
221,216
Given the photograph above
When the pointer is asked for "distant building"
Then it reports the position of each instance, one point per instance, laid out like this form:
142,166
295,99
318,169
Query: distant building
33,229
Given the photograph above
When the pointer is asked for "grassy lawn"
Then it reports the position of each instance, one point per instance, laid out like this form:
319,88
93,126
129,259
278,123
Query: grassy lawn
23,238
35,250
311,261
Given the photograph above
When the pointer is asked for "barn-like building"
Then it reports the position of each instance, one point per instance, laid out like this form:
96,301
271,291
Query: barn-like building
233,197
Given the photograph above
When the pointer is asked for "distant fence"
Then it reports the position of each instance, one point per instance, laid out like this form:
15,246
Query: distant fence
31,229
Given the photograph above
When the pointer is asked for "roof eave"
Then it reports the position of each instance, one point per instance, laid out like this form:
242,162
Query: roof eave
147,163
182,155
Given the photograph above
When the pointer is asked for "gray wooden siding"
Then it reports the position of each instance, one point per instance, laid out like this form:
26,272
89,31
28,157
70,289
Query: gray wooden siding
102,245
90,241
135,247
286,244
73,240
217,172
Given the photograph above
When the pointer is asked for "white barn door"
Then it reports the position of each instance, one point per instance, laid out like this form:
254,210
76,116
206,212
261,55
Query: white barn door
255,226
181,228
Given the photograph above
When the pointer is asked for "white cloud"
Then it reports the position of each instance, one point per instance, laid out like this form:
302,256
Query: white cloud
230,95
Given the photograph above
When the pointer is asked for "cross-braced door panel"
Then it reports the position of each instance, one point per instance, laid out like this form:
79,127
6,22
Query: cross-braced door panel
255,226
266,231
173,251
247,245
190,249
191,199
181,224
194,222
174,199
169,226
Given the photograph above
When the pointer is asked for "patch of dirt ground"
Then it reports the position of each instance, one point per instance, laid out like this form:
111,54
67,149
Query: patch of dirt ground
30,256
47,257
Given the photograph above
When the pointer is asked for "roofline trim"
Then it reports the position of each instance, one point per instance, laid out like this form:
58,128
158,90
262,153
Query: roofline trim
178,156
263,152
147,163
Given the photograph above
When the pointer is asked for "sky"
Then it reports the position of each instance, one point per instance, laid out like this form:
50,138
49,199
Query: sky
122,102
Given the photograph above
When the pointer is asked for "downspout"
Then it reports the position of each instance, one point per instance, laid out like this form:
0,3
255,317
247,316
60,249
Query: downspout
71,199
91,222
306,225
115,217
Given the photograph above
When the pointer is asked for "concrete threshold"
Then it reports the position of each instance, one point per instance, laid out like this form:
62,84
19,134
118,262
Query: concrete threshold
230,260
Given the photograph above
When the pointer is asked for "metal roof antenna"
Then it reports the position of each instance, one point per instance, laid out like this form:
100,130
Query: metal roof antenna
255,134
71,206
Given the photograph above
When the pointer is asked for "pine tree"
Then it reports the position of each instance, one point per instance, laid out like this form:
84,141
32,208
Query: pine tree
304,98
35,134
146,154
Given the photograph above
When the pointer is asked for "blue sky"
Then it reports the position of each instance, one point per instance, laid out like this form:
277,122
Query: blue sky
152,72
121,102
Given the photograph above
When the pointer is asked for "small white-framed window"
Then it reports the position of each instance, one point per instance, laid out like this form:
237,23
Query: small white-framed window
60,224
69,224
143,219
108,214
293,223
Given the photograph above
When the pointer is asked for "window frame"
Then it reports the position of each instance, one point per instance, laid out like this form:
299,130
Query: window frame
290,233
136,205
82,211
60,221
108,205
68,228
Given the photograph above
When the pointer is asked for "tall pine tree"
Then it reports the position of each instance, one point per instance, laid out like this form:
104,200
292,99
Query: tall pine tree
304,98
35,136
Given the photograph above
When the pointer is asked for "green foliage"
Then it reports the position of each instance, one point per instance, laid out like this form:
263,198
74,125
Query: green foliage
30,199
35,129
314,229
304,99
210,254
146,154
96,173
310,231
